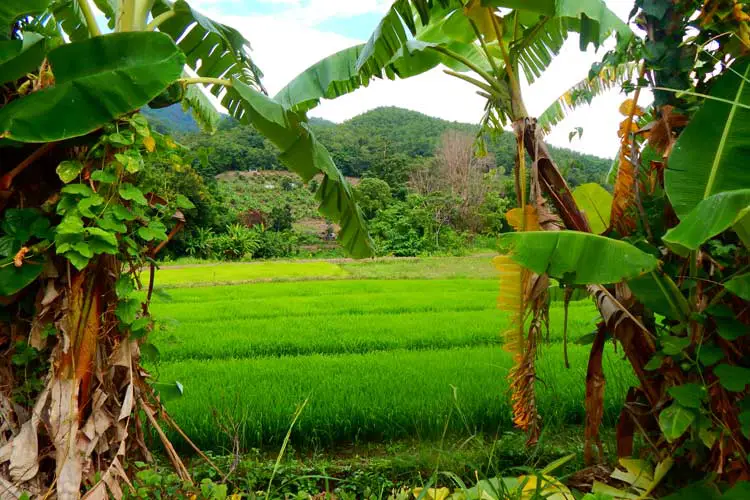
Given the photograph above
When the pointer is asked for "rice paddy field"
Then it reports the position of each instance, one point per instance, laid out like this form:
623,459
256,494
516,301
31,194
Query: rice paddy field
379,351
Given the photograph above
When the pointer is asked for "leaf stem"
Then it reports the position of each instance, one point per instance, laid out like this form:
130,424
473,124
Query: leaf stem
164,16
706,96
205,80
88,14
476,69
485,49
491,91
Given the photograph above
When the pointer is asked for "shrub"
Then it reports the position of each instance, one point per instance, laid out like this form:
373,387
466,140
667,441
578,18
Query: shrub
237,242
421,224
281,218
373,195
276,244
198,243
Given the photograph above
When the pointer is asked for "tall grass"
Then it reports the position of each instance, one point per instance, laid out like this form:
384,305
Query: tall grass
218,322
380,359
377,396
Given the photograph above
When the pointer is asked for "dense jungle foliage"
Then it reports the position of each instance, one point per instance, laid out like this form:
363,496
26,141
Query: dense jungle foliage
389,144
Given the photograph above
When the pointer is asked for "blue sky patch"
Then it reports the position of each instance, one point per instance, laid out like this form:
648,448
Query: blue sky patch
359,27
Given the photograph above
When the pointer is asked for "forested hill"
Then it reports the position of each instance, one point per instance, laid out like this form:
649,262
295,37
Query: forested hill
383,142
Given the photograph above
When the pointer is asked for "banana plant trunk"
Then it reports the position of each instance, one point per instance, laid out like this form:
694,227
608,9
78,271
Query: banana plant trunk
68,413
637,345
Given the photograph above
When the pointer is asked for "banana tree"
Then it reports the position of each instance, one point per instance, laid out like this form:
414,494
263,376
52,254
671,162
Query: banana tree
488,44
76,228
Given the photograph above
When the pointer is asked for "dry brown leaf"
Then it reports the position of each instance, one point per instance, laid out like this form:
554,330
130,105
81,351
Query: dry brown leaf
594,402
624,130
18,258
50,293
63,423
24,454
35,336
127,403
629,107
9,491
98,492
662,132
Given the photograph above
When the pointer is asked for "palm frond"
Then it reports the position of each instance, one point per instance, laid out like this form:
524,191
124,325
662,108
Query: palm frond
203,110
303,154
329,78
584,92
400,24
539,44
212,49
68,14
338,74
624,195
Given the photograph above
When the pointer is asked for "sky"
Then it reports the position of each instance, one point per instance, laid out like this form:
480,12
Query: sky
287,36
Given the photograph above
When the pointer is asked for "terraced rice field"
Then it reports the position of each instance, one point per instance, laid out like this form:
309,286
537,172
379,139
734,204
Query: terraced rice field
376,359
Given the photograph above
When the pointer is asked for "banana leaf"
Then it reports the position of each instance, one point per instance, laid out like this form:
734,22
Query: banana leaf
303,154
339,74
710,217
658,292
212,49
96,81
577,258
595,202
12,10
710,156
20,57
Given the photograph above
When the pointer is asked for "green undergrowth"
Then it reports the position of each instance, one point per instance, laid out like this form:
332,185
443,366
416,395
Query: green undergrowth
374,470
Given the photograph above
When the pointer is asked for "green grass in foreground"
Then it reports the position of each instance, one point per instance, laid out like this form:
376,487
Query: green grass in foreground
377,396
397,349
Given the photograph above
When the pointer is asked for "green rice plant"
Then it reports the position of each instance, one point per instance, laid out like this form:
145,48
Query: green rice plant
377,396
218,308
475,267
342,333
314,288
239,272
218,322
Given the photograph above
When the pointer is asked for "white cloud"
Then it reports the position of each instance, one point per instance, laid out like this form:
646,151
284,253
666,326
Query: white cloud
284,45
